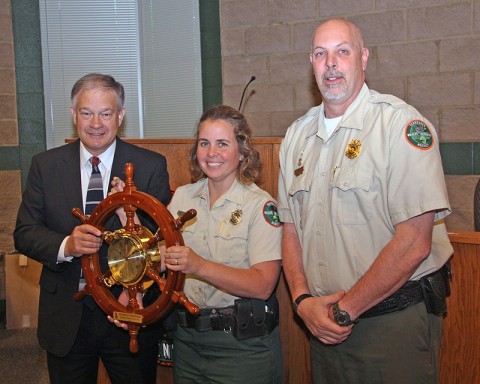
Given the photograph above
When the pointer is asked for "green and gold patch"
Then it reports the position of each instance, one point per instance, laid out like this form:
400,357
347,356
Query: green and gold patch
418,134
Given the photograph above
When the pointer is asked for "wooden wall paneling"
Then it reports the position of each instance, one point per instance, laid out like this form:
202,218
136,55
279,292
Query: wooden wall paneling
265,182
460,349
295,345
276,161
268,149
177,153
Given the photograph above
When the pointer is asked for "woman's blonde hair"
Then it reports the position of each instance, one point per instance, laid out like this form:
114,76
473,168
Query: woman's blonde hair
250,168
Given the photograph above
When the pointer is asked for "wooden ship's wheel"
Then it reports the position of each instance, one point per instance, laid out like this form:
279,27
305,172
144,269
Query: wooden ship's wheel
134,259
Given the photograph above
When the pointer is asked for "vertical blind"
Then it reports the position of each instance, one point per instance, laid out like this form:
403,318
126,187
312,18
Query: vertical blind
173,77
152,47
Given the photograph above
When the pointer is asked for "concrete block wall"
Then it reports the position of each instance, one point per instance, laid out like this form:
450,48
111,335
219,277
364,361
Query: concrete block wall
423,51
9,178
8,112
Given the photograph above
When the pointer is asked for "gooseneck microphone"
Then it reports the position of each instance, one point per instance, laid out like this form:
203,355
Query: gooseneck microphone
244,89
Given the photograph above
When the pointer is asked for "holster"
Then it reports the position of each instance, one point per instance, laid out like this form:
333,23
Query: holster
436,288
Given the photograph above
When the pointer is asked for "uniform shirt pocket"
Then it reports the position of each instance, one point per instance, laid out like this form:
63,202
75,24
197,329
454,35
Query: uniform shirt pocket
231,245
350,197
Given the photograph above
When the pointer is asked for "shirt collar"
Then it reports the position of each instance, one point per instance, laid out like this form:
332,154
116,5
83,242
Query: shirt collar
234,194
355,113
352,118
106,157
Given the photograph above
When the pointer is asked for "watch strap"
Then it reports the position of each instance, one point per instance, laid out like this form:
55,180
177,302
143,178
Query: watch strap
299,299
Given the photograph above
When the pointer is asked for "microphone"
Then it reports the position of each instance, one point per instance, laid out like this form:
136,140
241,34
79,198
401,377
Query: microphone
244,89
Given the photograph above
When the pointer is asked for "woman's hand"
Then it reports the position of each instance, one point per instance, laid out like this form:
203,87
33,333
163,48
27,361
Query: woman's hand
184,259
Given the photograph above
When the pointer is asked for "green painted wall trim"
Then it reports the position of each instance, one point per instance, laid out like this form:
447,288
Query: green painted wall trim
211,53
461,158
29,85
10,158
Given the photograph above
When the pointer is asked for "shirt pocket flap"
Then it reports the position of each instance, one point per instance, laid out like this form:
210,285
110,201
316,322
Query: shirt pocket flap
231,231
352,178
300,183
190,226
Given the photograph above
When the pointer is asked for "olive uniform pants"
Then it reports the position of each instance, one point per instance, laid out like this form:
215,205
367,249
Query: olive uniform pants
399,347
218,357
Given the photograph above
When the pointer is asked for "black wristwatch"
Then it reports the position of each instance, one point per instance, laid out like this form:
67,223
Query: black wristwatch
299,299
342,317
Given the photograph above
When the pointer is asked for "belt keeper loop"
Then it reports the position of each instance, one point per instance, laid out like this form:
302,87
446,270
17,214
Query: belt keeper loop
215,319
181,317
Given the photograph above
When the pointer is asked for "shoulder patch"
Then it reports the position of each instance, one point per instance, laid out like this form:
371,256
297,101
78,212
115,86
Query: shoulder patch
270,214
418,135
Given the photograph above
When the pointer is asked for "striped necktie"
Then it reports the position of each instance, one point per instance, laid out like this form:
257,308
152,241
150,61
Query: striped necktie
94,196
95,187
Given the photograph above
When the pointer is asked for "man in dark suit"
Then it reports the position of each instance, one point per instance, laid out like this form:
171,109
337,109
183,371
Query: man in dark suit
73,333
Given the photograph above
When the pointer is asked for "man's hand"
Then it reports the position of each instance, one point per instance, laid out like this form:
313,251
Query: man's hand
315,314
85,239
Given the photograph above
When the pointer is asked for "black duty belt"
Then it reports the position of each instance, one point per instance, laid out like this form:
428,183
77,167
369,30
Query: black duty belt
246,318
210,319
410,294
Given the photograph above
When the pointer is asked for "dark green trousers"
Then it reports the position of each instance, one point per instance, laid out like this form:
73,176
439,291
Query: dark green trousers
217,357
400,347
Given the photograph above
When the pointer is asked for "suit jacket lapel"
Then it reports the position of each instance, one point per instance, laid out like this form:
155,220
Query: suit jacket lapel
68,170
120,158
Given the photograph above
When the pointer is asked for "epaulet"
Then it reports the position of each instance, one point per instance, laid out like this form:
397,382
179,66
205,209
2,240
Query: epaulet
311,113
261,193
394,101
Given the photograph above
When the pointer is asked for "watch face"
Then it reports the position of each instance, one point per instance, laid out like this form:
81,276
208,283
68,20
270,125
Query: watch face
341,317
126,259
